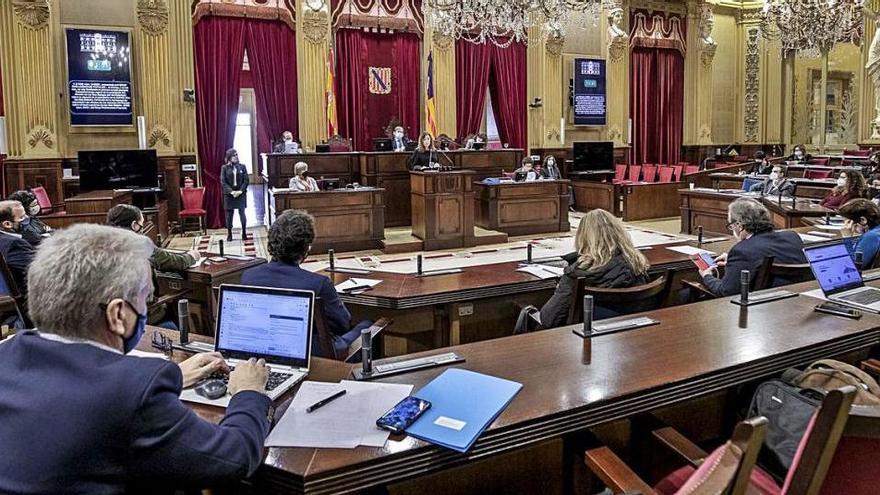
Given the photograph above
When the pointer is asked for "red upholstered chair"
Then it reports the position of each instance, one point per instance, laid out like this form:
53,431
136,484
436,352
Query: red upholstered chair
634,172
691,169
666,174
676,176
726,471
339,144
856,152
192,200
649,173
817,174
619,173
43,199
494,145
819,161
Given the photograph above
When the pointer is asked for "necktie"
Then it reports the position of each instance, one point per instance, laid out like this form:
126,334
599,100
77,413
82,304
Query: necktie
234,176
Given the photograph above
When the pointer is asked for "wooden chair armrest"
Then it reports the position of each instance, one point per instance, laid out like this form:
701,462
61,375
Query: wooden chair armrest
681,445
616,475
872,366
376,329
699,287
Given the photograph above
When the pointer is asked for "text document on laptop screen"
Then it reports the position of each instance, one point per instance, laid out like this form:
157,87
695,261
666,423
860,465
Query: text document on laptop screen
833,267
264,324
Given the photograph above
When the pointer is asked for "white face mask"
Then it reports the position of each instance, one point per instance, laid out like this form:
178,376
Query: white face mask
841,182
288,139
34,209
398,134
774,176
798,153
550,162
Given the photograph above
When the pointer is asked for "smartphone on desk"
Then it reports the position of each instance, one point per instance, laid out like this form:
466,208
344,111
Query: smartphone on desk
703,261
399,417
838,310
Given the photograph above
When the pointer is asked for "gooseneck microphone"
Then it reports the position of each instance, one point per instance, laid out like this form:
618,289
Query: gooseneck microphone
183,320
744,287
700,235
529,253
419,265
588,316
332,259
222,252
367,352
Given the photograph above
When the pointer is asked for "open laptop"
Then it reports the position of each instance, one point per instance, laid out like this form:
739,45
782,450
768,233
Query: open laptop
268,323
838,277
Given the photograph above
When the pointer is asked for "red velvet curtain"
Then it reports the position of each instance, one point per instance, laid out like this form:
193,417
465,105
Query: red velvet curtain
472,64
507,87
271,48
656,105
363,115
219,51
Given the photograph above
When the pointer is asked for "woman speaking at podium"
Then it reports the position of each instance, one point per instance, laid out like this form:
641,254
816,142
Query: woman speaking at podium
425,155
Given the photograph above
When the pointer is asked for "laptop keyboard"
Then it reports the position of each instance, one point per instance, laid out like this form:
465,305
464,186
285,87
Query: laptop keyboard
275,378
864,297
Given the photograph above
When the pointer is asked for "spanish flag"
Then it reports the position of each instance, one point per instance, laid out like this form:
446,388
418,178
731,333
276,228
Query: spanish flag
330,96
431,110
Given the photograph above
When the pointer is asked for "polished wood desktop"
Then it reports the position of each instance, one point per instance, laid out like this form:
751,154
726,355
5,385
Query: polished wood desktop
345,219
634,201
708,208
571,385
443,208
522,208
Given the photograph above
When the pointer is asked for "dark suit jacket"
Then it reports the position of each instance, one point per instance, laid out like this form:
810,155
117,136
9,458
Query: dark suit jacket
767,188
18,254
284,276
229,185
75,418
786,247
421,159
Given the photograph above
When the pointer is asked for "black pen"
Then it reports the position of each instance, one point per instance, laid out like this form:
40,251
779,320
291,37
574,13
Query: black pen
357,287
324,402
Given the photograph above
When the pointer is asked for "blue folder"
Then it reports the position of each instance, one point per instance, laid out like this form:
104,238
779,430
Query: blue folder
463,404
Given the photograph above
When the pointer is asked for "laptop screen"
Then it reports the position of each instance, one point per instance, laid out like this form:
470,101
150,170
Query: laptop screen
833,267
274,324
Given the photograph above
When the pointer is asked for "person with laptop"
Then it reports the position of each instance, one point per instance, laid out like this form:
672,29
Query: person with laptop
290,239
777,183
77,415
751,225
862,218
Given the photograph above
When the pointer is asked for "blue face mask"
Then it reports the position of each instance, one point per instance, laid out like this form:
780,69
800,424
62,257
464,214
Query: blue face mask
129,343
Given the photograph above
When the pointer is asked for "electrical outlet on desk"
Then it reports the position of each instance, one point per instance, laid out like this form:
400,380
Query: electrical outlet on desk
465,309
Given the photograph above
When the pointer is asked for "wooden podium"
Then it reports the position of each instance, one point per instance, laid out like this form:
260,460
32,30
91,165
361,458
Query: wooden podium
443,208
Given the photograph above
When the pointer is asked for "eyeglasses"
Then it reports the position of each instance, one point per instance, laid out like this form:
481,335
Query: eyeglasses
730,226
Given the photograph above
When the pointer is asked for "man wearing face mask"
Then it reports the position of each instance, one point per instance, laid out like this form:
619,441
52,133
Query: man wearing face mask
799,155
33,229
398,141
79,416
862,218
17,252
776,184
751,225
288,145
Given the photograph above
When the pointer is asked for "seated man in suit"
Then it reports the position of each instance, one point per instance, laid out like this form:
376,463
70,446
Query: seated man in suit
79,416
752,226
398,139
17,252
131,218
287,144
776,184
290,239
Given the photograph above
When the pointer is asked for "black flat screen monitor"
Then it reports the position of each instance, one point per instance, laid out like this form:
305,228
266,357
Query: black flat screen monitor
117,169
589,156
382,144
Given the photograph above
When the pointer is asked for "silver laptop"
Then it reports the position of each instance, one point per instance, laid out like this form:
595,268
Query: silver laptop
838,277
261,322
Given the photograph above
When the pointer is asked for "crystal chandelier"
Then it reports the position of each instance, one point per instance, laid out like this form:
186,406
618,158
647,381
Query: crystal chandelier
503,22
812,27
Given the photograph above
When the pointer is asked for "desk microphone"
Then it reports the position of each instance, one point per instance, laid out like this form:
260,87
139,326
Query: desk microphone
588,316
529,253
222,253
367,351
332,259
744,287
419,265
700,235
827,218
183,320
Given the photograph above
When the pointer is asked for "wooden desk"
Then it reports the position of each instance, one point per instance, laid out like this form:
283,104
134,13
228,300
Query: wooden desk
805,188
571,385
635,201
200,280
522,208
92,207
345,219
279,166
708,208
443,208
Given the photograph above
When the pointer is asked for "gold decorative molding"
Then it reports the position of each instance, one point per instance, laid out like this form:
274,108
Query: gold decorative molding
614,134
159,137
553,134
705,135
316,26
753,61
153,16
41,136
554,46
31,13
442,41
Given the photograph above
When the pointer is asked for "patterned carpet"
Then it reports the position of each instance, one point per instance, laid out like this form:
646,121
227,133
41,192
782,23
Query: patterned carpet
254,246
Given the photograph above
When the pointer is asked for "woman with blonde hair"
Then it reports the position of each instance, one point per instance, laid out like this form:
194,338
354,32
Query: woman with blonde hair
301,181
604,256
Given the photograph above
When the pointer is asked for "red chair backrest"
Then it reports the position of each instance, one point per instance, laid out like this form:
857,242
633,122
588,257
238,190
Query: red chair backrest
634,172
677,168
649,173
42,197
192,197
856,152
691,169
819,161
666,174
619,172
817,174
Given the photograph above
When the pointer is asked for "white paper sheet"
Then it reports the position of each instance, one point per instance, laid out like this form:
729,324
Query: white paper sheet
829,227
542,271
825,235
690,251
812,238
356,282
145,354
345,423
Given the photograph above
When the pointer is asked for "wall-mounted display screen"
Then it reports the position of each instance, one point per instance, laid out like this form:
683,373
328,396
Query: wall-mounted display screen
589,92
99,77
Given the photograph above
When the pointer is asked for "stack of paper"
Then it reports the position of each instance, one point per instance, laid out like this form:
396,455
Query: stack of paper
542,271
364,283
812,238
344,423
